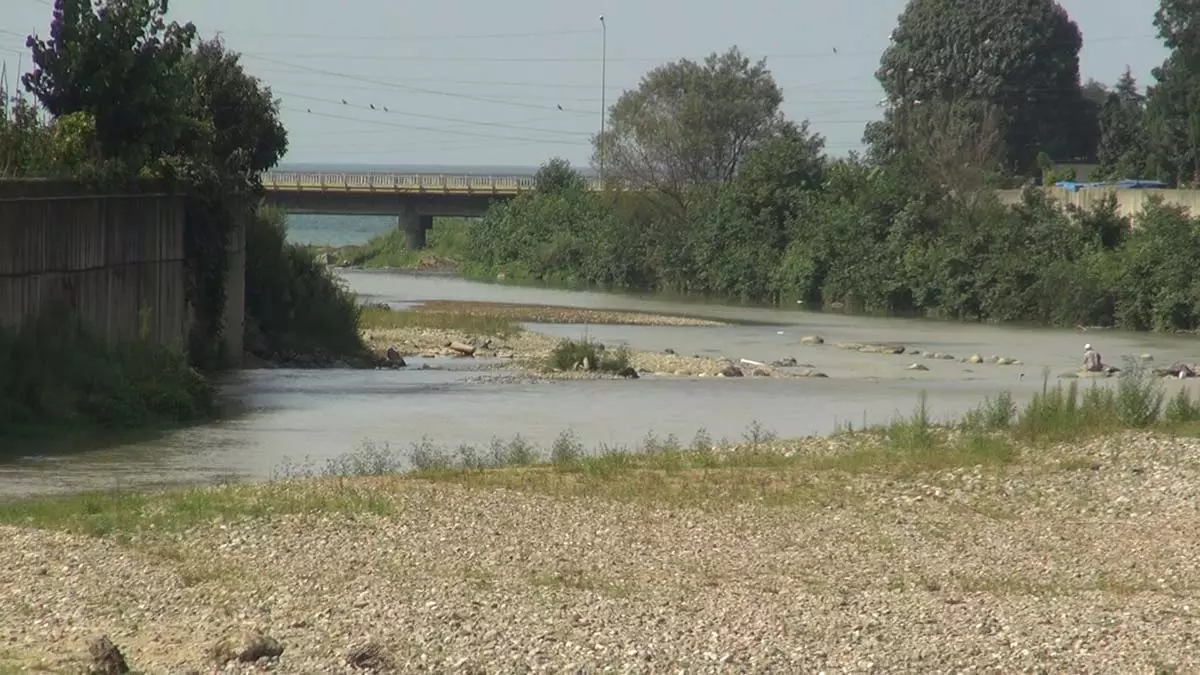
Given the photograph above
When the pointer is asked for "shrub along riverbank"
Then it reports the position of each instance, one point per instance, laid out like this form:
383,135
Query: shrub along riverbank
864,238
445,246
56,378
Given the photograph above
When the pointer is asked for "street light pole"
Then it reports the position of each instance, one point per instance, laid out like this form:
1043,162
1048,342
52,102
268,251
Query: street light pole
603,90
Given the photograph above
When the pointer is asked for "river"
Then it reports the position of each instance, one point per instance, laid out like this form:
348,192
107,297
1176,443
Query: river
296,415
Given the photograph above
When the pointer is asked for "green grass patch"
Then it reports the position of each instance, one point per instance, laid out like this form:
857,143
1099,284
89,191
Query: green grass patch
57,378
445,243
122,514
587,355
471,323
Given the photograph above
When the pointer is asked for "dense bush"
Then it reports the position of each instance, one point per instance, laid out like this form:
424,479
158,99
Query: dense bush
56,377
587,355
867,237
294,306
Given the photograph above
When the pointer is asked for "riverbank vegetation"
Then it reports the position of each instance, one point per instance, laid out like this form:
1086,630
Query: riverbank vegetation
56,377
295,308
445,246
185,111
734,200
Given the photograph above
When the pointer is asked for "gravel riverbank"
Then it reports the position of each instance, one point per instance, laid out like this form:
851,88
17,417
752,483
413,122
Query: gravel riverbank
1078,558
526,351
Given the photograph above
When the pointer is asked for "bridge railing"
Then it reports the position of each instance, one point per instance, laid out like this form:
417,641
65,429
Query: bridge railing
295,180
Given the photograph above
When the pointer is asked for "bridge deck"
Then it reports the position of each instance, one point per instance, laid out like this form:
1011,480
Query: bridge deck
290,181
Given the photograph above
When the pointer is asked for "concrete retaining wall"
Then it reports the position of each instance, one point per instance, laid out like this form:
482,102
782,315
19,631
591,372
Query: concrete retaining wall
117,259
1129,202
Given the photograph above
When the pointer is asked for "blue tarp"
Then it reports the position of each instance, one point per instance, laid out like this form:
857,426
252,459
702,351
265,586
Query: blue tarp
1128,184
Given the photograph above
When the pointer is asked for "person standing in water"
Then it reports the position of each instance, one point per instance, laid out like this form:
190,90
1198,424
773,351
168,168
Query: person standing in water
1092,362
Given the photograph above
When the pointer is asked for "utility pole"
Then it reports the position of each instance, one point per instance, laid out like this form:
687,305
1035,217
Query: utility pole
603,90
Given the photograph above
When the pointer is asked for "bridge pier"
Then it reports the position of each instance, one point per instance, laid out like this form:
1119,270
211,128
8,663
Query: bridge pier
415,227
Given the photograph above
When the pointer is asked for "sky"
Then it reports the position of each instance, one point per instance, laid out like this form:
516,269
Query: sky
481,82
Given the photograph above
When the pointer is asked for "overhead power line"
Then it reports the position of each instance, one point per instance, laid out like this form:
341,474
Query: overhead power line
413,37
441,130
435,92
389,110
494,58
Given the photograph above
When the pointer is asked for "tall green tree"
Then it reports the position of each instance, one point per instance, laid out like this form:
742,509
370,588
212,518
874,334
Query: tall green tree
690,123
1173,103
1019,57
235,119
1122,149
556,177
120,62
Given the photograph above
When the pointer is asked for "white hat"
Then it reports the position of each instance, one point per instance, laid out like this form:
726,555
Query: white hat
1087,346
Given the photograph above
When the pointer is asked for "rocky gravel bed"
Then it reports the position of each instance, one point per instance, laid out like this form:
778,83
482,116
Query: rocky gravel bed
1077,559
527,352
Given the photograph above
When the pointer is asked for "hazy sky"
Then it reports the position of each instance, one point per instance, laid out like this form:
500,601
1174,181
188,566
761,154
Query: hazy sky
480,82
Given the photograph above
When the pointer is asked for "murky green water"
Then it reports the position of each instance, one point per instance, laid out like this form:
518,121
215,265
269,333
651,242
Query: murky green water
320,414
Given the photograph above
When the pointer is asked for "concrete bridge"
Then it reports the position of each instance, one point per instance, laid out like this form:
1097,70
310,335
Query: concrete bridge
415,199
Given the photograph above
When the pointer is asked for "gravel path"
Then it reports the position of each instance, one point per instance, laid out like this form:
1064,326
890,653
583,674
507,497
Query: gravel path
1077,559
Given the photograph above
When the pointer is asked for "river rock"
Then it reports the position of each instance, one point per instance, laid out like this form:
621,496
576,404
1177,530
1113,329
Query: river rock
106,658
917,366
789,362
393,357
1086,374
1005,361
731,371
371,657
939,356
761,372
812,373
1146,357
1178,369
247,648
882,349
975,358
812,340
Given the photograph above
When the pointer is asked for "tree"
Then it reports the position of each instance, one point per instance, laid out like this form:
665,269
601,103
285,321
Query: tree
234,118
1173,104
1122,149
556,177
1019,56
690,123
120,63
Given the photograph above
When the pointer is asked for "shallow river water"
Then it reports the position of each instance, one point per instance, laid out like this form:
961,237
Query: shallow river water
295,415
